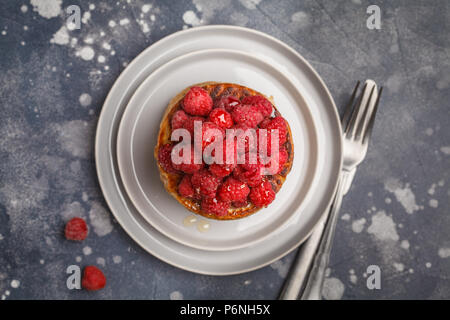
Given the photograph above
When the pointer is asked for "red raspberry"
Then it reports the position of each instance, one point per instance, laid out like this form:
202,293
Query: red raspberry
233,190
221,170
282,158
205,183
190,167
178,119
264,106
248,115
197,102
277,123
185,188
251,177
228,103
240,204
189,124
262,195
210,132
93,278
221,117
265,122
243,138
165,159
215,206
76,229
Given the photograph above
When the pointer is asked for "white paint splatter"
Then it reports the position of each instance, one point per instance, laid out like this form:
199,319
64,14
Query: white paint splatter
75,137
281,267
15,284
124,22
86,17
101,59
444,252
47,8
100,219
86,53
345,217
433,203
383,227
429,131
101,261
445,150
247,282
176,295
61,36
403,194
358,225
24,8
87,250
85,99
353,278
428,265
189,17
300,19
405,244
250,4
399,266
117,259
112,23
146,8
78,259
333,289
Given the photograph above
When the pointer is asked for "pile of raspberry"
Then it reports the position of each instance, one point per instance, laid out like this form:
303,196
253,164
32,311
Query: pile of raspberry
218,187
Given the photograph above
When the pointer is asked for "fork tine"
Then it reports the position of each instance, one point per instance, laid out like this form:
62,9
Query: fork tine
348,108
368,131
363,121
354,112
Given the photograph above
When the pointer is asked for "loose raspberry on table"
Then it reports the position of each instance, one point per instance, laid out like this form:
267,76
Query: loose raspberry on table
185,188
76,229
93,278
190,167
189,124
233,190
264,106
205,183
197,102
215,206
221,117
248,115
227,102
277,123
262,195
178,119
165,158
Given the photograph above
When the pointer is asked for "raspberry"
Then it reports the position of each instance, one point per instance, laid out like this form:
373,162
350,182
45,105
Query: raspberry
277,123
244,138
189,124
221,117
215,206
190,167
251,177
93,278
178,119
233,190
209,135
248,115
205,183
240,204
262,195
76,229
282,158
264,106
227,102
165,159
185,188
221,170
197,102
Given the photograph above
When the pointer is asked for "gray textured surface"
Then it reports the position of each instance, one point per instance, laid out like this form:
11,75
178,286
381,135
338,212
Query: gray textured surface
47,171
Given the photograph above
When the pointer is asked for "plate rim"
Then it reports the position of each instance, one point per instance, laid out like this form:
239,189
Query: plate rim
102,180
121,161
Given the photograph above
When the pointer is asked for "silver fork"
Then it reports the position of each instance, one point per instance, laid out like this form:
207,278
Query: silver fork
357,124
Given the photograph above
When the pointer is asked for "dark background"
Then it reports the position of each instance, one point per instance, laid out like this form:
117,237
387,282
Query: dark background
396,214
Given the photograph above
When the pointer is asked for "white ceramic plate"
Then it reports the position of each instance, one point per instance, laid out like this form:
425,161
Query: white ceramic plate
320,104
138,133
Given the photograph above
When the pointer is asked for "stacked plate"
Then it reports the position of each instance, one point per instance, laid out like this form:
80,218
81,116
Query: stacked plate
129,124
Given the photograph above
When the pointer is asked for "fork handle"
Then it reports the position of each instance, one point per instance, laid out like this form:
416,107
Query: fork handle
316,276
300,269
